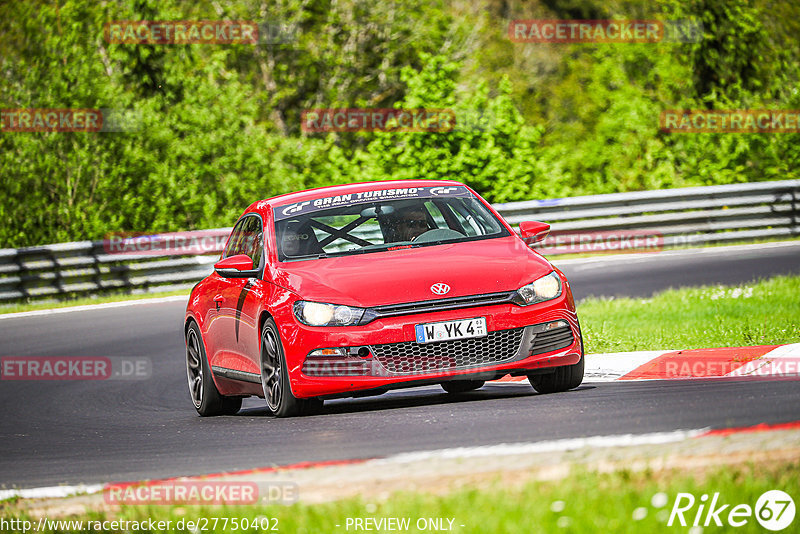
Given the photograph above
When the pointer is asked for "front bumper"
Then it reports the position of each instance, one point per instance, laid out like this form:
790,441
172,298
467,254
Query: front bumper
517,344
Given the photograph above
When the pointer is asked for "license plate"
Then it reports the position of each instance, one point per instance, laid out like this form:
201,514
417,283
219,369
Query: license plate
449,330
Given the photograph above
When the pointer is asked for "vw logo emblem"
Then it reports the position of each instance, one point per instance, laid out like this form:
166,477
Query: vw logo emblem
440,289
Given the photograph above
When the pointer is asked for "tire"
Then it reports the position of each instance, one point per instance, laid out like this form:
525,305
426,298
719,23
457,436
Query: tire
461,386
275,378
563,379
205,397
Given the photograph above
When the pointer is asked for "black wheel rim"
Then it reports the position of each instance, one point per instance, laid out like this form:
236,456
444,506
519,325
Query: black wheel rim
194,367
271,369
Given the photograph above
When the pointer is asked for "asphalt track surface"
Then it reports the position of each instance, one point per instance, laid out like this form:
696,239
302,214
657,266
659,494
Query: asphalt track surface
74,432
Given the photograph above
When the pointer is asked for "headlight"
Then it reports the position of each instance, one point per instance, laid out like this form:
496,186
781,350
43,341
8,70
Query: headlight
322,314
545,288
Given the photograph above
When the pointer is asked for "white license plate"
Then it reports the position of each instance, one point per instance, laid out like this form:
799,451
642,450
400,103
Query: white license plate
449,330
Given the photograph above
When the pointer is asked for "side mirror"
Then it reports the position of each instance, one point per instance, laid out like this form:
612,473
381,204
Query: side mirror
533,231
239,266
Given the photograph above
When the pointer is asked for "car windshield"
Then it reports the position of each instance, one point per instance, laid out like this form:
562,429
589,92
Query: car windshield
373,221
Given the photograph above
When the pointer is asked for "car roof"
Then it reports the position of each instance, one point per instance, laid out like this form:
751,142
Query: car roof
263,205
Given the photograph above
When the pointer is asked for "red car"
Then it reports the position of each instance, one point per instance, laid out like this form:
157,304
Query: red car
357,289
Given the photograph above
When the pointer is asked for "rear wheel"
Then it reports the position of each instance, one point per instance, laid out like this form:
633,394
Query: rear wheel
205,397
562,379
462,386
275,377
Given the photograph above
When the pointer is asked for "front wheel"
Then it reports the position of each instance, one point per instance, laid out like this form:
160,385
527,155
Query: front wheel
205,397
275,377
562,379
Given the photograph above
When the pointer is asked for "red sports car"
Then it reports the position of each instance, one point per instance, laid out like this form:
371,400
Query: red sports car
357,289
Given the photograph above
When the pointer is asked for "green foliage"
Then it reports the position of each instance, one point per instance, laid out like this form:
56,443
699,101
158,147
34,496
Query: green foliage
490,148
219,126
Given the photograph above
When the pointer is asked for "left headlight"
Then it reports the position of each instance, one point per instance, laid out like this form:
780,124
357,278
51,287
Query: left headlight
545,288
324,314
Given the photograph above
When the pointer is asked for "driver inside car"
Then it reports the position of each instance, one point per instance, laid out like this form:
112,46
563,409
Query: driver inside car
410,222
298,239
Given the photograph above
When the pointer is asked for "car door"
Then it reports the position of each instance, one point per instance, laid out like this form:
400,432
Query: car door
248,294
235,328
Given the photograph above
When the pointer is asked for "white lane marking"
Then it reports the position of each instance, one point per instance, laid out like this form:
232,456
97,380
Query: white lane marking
51,492
559,445
608,367
89,307
611,366
780,361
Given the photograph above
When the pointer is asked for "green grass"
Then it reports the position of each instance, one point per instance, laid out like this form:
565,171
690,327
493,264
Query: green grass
761,313
584,502
81,301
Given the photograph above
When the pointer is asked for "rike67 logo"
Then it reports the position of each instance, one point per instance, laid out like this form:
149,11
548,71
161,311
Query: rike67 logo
774,510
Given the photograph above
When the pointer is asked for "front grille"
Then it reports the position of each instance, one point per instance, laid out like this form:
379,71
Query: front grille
557,338
413,358
450,303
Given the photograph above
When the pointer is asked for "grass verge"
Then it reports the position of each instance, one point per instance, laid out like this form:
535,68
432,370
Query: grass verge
587,501
766,312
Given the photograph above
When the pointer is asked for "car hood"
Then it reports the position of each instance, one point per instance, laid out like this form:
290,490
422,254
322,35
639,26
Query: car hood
406,275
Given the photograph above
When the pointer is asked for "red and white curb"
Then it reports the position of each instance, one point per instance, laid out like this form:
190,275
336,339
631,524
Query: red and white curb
761,361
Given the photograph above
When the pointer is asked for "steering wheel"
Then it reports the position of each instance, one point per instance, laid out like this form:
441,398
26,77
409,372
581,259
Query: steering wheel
437,234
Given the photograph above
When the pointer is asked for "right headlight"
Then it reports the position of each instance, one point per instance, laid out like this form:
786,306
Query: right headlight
545,288
324,314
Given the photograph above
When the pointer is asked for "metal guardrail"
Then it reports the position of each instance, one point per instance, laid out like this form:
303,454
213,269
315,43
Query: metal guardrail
92,267
680,217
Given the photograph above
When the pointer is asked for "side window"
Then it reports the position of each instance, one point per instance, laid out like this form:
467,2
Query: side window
253,242
247,238
236,233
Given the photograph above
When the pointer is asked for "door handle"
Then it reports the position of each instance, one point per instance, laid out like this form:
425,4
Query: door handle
218,301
